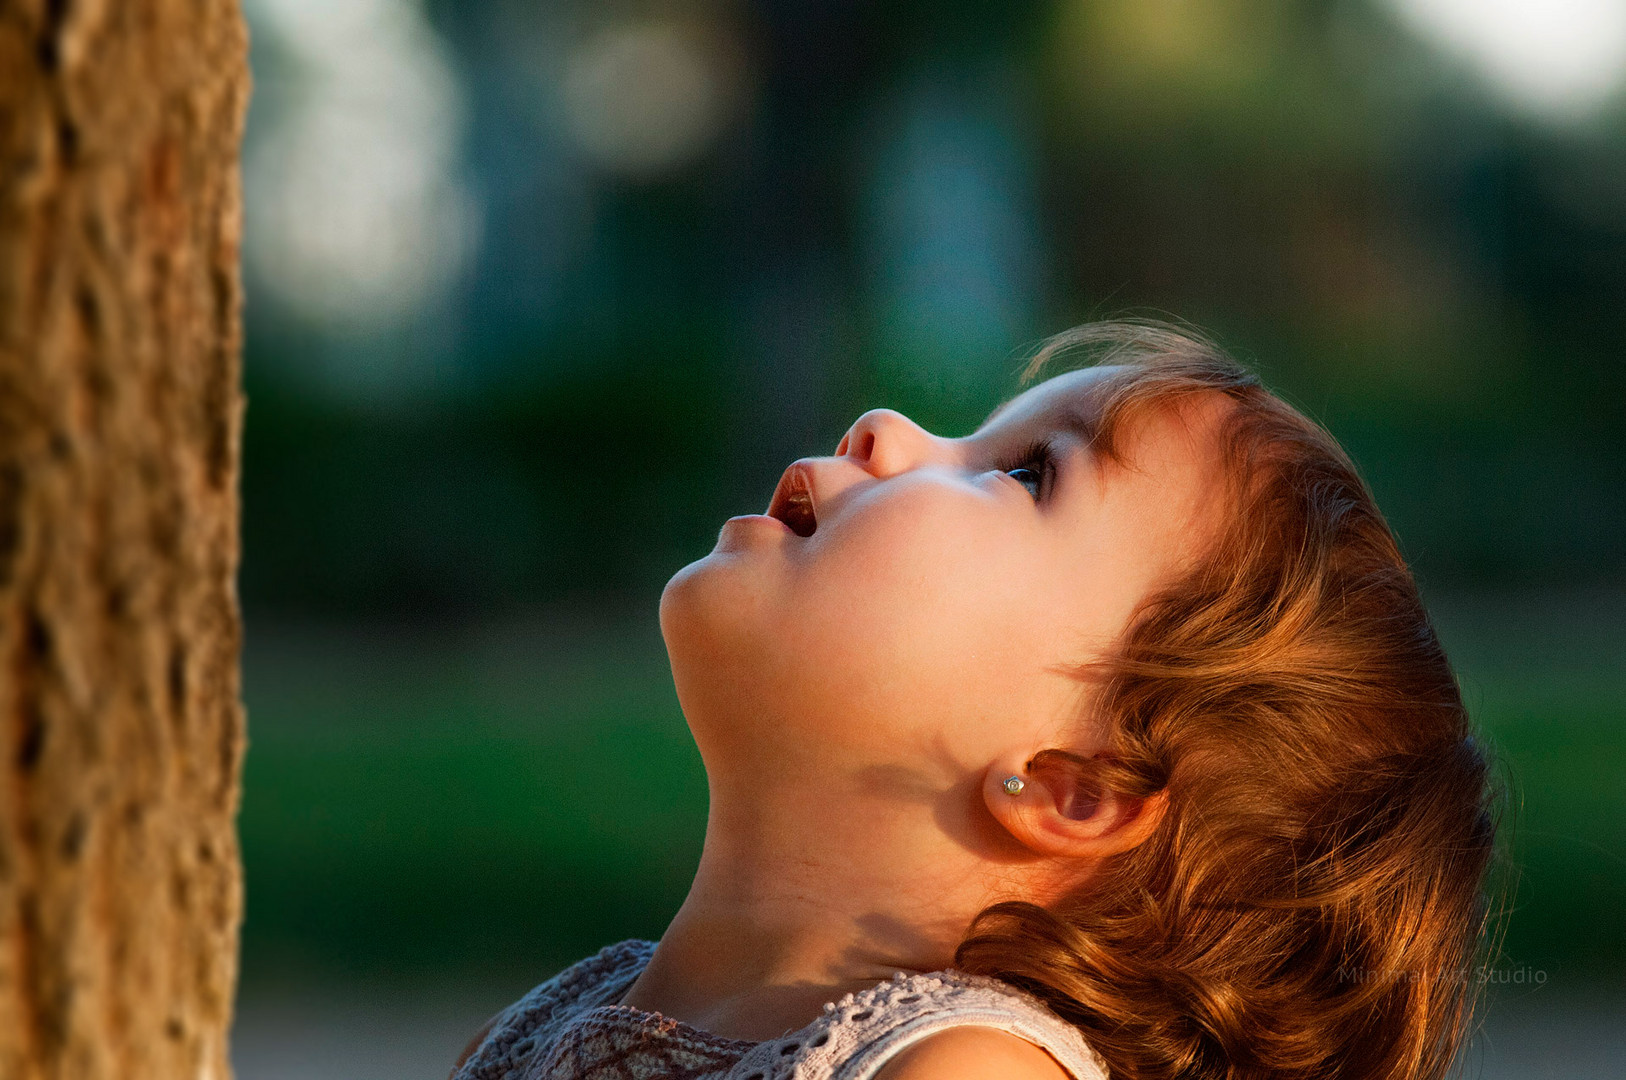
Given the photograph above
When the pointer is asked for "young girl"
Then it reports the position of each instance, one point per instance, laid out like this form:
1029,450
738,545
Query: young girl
1109,740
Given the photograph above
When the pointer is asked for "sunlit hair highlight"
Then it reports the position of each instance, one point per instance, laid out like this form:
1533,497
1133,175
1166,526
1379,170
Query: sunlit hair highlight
1313,901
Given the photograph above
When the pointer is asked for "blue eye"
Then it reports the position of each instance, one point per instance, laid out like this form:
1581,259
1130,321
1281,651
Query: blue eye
1030,466
1029,479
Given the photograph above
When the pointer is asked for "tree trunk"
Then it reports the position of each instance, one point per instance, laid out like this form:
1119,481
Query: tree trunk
121,730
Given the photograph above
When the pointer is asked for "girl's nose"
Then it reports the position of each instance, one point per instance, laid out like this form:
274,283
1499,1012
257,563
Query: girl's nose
886,442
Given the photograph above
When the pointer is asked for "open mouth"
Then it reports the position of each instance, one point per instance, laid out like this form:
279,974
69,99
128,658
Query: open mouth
793,501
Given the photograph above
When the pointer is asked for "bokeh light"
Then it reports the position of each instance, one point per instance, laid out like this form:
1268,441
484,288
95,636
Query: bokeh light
1561,59
644,97
357,216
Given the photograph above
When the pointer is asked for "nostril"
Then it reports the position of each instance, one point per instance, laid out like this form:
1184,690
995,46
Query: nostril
859,442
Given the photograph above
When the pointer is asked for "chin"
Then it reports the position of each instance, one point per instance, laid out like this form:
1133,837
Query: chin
718,645
709,611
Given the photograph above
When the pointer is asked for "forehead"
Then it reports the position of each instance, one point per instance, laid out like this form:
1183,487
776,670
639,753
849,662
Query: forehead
1067,401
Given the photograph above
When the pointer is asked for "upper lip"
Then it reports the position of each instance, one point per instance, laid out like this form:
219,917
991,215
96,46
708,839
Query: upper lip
793,501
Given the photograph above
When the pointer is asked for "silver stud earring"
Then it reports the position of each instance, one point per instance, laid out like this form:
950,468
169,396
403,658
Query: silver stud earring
1014,785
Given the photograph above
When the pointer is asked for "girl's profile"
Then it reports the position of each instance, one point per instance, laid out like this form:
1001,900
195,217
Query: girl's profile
1110,739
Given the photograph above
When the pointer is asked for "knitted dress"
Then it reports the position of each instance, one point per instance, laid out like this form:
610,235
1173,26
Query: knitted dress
569,1028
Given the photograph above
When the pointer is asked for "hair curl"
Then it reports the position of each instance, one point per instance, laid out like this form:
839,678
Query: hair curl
1313,898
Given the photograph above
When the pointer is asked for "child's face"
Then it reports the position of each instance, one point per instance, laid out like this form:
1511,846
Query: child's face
932,612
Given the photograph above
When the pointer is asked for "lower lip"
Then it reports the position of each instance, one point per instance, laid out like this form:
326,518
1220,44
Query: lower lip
759,519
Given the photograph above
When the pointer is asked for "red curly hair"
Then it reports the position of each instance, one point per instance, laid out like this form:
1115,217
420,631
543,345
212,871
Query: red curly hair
1312,900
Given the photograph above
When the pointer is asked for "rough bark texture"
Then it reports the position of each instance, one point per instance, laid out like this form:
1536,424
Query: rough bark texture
121,731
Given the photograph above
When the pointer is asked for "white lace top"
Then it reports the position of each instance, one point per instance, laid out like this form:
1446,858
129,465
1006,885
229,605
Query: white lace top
569,1028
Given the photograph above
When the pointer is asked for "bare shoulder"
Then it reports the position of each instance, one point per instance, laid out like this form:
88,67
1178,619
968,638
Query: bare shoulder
972,1052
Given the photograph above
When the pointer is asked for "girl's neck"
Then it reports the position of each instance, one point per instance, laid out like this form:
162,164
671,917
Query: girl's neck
792,907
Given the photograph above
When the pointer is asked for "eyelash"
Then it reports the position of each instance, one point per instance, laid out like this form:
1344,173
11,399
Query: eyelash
1038,452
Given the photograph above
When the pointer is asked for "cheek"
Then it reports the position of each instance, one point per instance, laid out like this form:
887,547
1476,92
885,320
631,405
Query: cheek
917,605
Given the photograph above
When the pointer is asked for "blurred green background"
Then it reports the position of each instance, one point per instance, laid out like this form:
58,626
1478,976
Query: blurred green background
541,292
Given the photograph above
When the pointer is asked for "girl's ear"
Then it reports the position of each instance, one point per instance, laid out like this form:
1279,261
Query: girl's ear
1058,811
